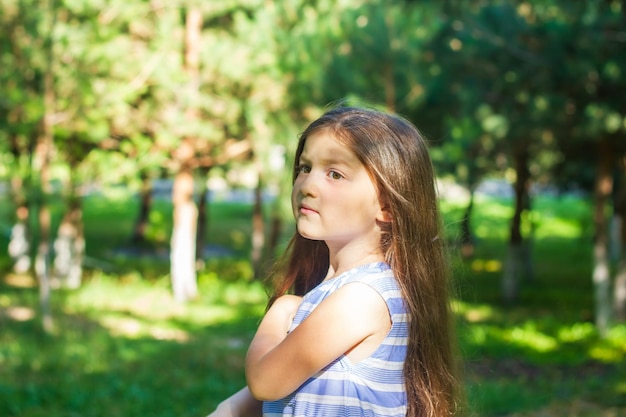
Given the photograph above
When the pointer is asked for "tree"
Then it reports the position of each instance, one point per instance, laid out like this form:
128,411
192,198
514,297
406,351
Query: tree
593,59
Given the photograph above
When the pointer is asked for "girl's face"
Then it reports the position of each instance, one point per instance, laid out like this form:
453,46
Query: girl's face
334,198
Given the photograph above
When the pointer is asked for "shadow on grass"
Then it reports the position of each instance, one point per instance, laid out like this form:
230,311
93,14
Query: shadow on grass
95,366
522,357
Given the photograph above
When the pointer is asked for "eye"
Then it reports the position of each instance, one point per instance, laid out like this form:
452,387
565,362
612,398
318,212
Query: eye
335,175
303,169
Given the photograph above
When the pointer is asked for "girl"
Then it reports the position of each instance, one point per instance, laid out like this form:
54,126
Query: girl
367,331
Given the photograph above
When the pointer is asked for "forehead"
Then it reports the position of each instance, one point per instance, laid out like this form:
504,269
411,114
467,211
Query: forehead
326,147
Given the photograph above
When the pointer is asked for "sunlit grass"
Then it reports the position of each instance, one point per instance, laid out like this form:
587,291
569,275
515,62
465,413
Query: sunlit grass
487,265
541,340
529,337
473,312
563,218
490,216
154,300
577,332
123,347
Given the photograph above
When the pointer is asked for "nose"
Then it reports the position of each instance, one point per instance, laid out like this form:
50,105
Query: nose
306,185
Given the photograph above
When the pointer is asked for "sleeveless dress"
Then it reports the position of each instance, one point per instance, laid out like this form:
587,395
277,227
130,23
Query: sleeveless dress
372,387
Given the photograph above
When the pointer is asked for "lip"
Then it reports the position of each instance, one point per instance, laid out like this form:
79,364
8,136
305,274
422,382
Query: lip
304,209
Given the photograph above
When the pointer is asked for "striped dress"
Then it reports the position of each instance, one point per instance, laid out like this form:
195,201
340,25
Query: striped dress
373,387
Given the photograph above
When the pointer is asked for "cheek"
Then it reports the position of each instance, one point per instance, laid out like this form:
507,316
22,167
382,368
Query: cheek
294,194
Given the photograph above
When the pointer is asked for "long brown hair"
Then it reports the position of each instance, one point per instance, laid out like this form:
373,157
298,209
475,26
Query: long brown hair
396,157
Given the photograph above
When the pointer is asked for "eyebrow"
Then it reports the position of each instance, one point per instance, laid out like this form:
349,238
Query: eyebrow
329,161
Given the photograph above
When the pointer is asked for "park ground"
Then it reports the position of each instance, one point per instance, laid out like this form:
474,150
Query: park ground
122,346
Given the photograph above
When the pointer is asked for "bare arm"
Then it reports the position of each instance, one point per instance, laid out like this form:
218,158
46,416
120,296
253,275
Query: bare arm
240,404
277,363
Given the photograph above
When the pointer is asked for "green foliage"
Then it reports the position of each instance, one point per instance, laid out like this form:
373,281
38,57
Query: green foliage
550,72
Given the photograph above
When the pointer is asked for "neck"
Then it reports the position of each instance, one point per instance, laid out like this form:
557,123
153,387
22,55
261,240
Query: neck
340,264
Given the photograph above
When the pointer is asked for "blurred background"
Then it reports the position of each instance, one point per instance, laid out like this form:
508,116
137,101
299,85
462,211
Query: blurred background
145,163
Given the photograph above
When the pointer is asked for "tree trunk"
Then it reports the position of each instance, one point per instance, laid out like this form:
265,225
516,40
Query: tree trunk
143,217
388,69
69,246
527,243
183,240
258,229
41,163
619,215
467,239
276,229
619,293
390,88
203,205
601,269
19,241
516,252
42,265
615,235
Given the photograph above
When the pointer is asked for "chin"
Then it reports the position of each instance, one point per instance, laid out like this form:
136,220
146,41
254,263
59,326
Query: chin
308,235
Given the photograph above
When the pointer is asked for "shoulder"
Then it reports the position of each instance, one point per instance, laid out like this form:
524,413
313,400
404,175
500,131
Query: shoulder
378,276
368,290
361,289
359,299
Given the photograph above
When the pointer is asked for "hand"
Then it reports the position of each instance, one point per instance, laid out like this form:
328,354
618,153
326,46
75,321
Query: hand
222,410
240,404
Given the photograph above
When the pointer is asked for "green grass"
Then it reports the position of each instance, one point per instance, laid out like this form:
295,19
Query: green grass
123,347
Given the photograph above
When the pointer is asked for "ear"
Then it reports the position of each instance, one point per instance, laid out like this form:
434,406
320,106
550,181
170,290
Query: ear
384,215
